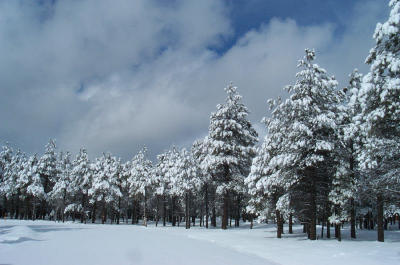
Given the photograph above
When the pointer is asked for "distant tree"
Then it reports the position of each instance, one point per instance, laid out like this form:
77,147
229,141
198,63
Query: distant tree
199,153
161,189
47,168
184,180
59,193
5,171
31,185
141,179
81,182
104,188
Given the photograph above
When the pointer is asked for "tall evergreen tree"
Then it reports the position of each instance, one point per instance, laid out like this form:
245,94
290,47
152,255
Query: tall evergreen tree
47,168
81,182
141,179
59,192
230,143
302,130
380,113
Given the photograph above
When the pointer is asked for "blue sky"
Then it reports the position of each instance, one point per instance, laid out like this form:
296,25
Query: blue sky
117,75
249,14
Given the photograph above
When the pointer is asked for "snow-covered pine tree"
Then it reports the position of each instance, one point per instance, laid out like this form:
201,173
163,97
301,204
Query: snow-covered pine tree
81,182
104,189
9,186
59,194
47,168
345,182
303,129
266,182
141,179
161,189
199,153
172,159
6,155
122,184
380,113
124,187
31,186
113,171
230,142
184,180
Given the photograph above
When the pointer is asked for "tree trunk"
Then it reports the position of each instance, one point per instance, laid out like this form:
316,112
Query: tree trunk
352,219
399,221
34,209
63,206
17,206
328,229
104,213
119,210
322,228
83,208
187,218
352,210
144,209
379,203
290,223
134,211
206,201
173,211
224,224
157,209
278,224
338,232
201,216
313,213
164,210
94,212
237,220
214,216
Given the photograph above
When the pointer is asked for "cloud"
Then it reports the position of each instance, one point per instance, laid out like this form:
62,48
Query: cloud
117,75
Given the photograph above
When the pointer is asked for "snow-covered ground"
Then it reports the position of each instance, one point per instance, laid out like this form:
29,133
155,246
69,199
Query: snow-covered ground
45,242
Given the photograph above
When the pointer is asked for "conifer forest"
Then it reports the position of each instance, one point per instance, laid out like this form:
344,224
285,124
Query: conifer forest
329,159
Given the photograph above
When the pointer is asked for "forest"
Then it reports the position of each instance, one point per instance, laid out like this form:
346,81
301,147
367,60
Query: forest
330,157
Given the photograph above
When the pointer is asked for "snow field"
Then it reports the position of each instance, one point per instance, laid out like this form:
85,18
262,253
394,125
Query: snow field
45,242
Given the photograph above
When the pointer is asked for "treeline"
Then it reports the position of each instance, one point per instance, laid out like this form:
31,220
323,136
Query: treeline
330,156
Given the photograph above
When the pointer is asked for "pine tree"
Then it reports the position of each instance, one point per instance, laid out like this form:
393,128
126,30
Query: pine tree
47,167
345,183
380,108
31,184
230,144
81,182
184,180
5,171
105,189
266,185
59,192
162,183
141,179
199,153
303,134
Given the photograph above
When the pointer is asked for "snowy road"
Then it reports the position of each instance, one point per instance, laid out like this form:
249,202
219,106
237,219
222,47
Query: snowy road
49,243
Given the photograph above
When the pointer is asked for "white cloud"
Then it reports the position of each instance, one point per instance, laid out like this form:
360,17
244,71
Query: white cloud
148,75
